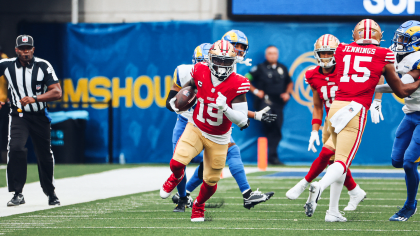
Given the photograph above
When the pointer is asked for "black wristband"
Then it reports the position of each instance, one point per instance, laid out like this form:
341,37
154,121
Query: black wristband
172,93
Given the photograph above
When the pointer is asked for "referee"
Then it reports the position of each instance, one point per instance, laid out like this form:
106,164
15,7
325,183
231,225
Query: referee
32,82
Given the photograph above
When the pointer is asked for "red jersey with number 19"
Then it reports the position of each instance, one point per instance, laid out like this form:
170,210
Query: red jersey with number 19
324,84
206,118
359,68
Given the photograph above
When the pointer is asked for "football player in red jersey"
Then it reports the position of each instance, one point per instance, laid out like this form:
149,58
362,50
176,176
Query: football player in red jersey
221,101
322,80
359,68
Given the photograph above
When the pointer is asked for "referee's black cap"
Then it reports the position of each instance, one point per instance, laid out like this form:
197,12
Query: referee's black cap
24,40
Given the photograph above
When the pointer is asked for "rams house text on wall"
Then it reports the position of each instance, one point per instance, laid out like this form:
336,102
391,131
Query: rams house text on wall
101,89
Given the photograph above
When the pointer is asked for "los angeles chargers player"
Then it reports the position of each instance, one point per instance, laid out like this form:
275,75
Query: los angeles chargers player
183,198
406,150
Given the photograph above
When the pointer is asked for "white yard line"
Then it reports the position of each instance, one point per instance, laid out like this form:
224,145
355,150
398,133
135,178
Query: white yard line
93,187
113,183
223,228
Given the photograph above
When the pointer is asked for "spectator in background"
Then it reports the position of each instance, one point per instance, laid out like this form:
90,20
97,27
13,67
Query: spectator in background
272,85
4,119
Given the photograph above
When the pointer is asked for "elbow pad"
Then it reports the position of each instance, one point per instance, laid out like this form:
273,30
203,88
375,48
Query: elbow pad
172,93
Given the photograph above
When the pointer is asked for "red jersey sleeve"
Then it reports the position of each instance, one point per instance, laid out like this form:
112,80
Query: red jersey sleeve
390,56
243,85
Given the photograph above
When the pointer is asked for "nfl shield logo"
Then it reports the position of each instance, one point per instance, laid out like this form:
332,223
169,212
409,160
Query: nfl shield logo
25,39
351,109
38,87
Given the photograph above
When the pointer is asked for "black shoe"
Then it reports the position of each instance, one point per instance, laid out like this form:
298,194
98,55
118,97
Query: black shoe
175,199
53,200
16,200
182,203
255,198
275,162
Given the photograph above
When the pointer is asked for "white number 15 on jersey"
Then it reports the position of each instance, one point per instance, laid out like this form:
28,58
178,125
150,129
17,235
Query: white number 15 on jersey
357,68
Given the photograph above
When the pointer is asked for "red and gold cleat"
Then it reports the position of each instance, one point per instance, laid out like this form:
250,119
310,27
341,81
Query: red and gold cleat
197,212
169,185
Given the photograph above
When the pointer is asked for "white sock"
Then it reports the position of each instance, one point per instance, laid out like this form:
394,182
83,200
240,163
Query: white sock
335,192
304,182
334,172
355,191
245,191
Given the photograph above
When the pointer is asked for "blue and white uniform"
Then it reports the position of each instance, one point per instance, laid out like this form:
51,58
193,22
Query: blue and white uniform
406,149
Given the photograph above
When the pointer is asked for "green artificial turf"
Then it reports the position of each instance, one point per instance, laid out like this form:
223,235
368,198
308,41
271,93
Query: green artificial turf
148,214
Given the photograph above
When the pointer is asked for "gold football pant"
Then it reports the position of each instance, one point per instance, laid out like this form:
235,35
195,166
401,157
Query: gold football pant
191,143
348,140
327,137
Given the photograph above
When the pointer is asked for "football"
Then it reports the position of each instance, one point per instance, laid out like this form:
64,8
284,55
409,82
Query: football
185,98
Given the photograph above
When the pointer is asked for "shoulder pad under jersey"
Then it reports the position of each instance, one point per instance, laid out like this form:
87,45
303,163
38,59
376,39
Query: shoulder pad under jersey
415,61
309,73
408,63
184,74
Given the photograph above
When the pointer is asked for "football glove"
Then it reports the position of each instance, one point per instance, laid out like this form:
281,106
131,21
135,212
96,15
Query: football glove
264,116
314,137
376,111
221,102
172,103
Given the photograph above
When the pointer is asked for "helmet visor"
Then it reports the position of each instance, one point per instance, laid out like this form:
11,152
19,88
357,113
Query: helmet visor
222,61
400,42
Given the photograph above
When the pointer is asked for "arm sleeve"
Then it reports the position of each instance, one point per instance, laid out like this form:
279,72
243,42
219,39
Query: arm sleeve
49,74
384,88
172,93
238,114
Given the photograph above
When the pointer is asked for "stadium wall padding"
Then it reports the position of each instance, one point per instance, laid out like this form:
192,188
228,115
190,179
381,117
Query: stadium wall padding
134,63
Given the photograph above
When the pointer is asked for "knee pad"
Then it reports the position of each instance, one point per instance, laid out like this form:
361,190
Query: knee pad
212,177
397,164
212,180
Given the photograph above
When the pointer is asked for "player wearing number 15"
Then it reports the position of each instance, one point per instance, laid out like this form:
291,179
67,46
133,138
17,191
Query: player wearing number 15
221,101
322,80
359,68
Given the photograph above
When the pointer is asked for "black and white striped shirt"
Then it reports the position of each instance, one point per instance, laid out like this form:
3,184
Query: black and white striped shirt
27,81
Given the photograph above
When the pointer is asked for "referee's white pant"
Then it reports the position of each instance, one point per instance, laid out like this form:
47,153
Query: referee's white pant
38,127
